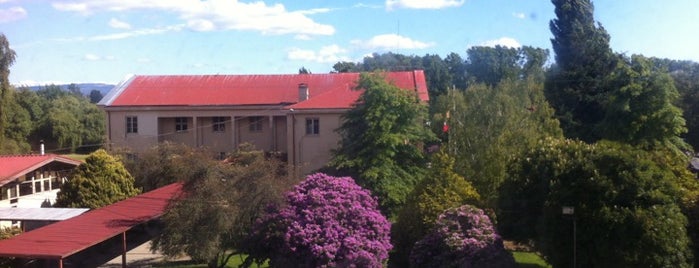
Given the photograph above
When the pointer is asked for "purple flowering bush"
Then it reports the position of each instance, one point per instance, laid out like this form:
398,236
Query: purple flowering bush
461,237
327,222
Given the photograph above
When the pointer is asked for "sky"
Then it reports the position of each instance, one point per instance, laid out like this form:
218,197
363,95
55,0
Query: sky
105,41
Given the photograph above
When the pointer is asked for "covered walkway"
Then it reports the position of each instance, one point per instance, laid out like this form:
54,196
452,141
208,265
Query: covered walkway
81,241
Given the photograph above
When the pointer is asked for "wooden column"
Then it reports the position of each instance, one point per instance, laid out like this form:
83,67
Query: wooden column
123,255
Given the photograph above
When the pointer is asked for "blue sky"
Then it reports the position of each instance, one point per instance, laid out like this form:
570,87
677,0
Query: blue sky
65,41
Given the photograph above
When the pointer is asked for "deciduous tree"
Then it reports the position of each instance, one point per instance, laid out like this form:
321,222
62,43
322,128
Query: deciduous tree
7,58
381,141
220,204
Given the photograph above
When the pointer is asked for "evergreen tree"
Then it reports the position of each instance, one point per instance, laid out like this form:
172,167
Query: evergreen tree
100,181
576,85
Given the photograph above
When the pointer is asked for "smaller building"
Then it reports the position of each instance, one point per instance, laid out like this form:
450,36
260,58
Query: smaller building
32,181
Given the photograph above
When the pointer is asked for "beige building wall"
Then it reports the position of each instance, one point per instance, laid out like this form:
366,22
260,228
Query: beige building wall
313,151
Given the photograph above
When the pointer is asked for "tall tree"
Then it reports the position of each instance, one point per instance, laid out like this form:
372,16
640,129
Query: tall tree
100,181
489,126
7,58
222,202
576,85
641,110
492,65
381,139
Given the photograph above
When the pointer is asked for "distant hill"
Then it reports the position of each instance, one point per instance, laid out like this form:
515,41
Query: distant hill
85,88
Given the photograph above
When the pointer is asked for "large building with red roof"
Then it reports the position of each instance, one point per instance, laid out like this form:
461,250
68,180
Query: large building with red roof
32,181
293,114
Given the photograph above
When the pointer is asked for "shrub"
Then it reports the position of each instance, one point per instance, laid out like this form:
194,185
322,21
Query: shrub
462,237
327,222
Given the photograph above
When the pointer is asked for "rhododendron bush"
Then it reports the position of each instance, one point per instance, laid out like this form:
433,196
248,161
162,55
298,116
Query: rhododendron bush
462,237
327,222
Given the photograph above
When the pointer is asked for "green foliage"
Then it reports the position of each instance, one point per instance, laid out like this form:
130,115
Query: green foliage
222,200
625,200
166,163
381,141
640,111
7,58
576,84
491,65
491,126
685,76
441,189
100,181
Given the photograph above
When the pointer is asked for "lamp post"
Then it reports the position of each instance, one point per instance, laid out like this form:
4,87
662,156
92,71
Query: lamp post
571,211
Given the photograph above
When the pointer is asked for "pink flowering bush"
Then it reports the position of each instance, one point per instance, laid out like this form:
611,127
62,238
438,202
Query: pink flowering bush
462,237
327,222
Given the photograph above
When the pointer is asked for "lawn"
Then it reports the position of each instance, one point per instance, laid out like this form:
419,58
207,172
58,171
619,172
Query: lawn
523,260
529,260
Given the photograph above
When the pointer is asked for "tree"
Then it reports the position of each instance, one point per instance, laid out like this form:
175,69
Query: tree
7,58
488,127
492,65
100,181
641,110
627,201
326,222
576,84
166,163
221,203
441,189
462,237
95,96
381,141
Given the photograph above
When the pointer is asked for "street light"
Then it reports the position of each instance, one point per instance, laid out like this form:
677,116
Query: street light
571,211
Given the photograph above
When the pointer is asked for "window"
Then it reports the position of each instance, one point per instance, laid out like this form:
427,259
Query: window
255,123
180,124
312,126
131,124
219,124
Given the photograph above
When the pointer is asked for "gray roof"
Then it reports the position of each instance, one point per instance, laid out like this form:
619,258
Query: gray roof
40,214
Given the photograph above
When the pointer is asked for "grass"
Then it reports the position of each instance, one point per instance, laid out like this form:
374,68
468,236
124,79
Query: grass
529,260
235,261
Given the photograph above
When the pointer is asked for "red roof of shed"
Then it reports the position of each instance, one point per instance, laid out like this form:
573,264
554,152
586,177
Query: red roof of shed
65,238
211,90
14,166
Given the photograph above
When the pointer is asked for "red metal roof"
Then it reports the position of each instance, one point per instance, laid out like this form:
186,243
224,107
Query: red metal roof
14,166
65,238
211,90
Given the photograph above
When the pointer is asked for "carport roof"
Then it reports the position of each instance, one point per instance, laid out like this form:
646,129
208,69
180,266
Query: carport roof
65,238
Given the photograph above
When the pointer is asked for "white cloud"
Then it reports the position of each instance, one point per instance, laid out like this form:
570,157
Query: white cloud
326,54
122,35
502,41
391,41
519,15
12,14
118,24
215,14
423,4
143,60
93,57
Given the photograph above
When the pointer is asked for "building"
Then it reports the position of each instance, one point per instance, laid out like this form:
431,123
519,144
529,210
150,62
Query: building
32,181
295,115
